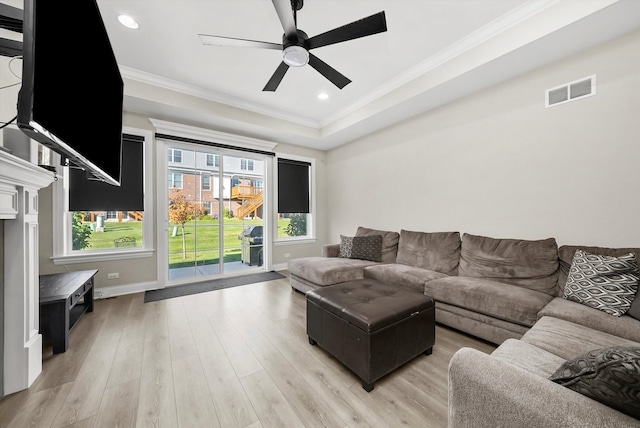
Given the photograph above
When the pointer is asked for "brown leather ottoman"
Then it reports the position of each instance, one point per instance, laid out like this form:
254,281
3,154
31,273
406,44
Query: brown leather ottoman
371,327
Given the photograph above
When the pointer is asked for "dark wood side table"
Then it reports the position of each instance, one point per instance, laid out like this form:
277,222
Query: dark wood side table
64,298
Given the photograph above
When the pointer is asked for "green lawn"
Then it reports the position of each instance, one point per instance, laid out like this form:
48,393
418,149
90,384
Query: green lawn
114,230
201,239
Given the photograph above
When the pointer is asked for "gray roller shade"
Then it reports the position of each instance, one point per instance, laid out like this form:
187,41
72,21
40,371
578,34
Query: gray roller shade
293,186
91,195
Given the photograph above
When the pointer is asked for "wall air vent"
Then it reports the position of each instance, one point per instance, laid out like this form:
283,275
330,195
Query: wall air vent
581,88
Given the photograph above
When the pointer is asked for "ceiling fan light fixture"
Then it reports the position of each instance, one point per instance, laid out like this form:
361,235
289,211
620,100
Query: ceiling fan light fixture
295,56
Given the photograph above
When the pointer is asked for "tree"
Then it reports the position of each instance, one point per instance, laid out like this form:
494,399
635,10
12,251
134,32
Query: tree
297,225
80,232
182,211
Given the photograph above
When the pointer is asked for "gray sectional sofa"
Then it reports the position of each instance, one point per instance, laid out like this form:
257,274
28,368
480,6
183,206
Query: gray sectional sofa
508,292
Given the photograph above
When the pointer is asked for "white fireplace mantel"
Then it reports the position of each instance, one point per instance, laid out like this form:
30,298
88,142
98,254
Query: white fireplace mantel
19,185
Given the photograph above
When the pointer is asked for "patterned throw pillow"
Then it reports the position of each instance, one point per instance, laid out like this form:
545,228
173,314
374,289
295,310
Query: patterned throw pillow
361,247
608,375
346,246
603,282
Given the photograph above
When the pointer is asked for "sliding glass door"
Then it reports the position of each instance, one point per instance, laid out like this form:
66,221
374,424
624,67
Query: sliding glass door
215,212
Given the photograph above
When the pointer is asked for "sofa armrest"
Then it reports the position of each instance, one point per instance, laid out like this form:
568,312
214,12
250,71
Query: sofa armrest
487,392
330,250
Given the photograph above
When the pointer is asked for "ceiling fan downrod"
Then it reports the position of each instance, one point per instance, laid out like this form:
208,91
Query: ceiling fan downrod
296,5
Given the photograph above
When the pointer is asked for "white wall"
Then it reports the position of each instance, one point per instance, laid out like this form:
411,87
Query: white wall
499,164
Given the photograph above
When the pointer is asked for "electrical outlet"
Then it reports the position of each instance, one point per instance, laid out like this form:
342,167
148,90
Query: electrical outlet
287,255
114,275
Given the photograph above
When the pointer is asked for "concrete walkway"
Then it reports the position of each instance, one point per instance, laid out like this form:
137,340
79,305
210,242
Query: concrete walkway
207,270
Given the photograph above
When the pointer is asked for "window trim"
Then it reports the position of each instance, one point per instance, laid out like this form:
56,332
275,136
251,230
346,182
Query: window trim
248,164
202,182
173,156
215,160
61,216
173,183
310,237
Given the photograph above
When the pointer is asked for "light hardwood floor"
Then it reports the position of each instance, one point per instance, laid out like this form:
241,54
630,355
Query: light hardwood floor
229,358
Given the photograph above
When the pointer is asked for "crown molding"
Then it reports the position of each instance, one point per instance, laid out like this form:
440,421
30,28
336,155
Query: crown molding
477,38
214,96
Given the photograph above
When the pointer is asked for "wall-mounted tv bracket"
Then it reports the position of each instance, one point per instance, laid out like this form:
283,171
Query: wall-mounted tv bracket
10,19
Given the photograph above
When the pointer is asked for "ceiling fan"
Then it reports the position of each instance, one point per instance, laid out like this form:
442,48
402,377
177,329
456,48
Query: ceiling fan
296,44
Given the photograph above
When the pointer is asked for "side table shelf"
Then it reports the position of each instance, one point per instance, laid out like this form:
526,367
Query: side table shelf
64,299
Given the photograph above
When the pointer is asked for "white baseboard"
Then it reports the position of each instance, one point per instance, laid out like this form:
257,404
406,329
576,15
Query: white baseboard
281,266
121,290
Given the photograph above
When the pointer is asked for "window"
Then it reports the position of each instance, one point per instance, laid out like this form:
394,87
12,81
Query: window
206,182
213,160
103,230
294,199
175,155
246,164
92,223
175,180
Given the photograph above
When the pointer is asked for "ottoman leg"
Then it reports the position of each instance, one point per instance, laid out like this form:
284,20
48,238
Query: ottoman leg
368,386
312,342
428,351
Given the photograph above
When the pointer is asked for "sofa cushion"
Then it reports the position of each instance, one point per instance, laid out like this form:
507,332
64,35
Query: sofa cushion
527,264
624,326
486,327
608,375
566,253
503,301
568,340
606,283
437,251
389,242
324,271
405,276
528,357
361,247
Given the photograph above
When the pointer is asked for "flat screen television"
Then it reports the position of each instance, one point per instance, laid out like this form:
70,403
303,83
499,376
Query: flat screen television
72,92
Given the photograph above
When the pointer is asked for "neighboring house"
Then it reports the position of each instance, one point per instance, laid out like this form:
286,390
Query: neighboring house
195,174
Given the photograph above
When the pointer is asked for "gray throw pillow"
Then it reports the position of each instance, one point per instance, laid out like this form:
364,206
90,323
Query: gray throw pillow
606,283
389,242
608,375
361,247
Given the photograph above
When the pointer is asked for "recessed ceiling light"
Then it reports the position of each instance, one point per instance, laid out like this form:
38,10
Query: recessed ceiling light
128,22
323,95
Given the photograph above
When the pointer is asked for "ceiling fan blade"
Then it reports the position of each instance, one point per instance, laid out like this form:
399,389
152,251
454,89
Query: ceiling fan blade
364,27
285,14
239,43
275,80
327,71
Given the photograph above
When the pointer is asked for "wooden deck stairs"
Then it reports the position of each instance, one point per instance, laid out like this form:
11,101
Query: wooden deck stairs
250,205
